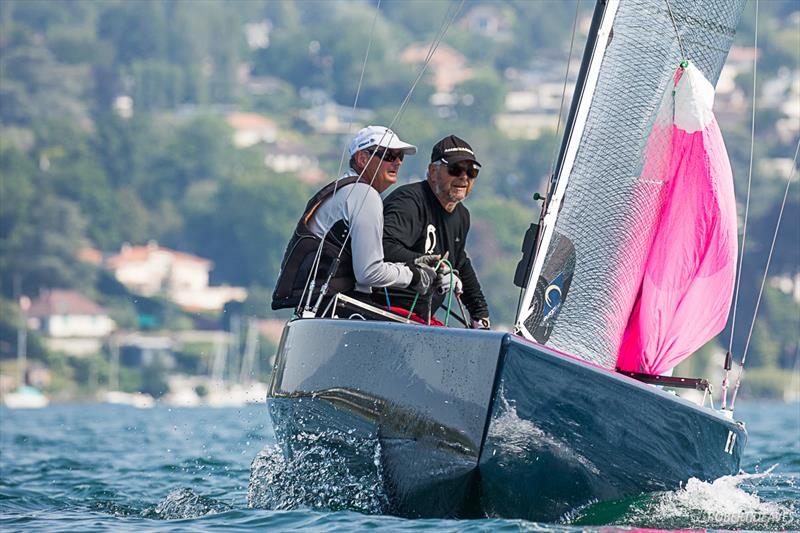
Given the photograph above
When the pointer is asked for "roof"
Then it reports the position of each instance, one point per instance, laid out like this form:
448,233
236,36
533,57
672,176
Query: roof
63,302
289,148
90,255
448,65
140,254
445,56
249,121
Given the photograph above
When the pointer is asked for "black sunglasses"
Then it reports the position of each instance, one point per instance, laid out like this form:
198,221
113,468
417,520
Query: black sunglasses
456,169
390,156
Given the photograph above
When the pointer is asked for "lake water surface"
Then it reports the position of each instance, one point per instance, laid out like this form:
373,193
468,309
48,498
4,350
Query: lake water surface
114,468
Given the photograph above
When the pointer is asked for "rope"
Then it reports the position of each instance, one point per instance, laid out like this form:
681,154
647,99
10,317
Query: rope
413,304
677,33
766,271
746,216
452,290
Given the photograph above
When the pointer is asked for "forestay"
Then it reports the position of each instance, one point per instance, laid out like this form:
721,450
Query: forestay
602,213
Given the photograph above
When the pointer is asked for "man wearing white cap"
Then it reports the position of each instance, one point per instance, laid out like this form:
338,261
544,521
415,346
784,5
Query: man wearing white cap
348,215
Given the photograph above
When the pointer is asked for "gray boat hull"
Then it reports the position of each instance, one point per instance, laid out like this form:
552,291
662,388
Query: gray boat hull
475,423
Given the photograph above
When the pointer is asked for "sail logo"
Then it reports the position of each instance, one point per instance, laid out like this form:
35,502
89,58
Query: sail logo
552,296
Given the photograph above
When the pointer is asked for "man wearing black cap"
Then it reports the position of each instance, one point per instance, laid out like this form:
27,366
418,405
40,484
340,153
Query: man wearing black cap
427,218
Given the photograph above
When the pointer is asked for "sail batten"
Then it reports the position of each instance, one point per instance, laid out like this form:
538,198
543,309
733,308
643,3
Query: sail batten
603,217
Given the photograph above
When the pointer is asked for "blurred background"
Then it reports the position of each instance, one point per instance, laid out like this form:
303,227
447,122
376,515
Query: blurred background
155,156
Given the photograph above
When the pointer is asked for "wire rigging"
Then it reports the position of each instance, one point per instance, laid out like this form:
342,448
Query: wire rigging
358,88
564,88
746,217
766,271
311,281
558,127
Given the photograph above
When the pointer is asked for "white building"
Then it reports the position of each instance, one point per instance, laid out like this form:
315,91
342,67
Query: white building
332,118
70,321
290,157
184,278
250,129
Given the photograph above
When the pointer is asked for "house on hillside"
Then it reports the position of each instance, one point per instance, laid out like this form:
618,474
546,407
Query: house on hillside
448,66
295,158
138,350
533,102
332,118
70,321
184,278
250,129
289,157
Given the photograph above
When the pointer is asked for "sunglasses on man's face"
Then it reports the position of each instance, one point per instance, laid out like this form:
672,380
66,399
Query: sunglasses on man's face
456,169
390,156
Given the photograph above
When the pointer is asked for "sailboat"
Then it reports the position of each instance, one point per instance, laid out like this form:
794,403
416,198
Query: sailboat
569,409
25,396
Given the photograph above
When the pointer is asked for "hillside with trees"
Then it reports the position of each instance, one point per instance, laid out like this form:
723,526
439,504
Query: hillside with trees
114,129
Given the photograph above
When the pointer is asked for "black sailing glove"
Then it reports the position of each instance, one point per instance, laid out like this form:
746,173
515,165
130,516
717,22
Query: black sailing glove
423,278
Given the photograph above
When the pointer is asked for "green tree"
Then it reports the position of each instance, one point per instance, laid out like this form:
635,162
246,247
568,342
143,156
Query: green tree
35,86
482,97
246,235
494,243
137,30
199,150
157,84
42,249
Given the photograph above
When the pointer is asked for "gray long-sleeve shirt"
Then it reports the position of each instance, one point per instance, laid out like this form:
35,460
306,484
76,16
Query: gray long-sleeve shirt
362,208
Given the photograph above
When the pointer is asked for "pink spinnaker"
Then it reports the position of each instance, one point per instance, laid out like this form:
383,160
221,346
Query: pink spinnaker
688,279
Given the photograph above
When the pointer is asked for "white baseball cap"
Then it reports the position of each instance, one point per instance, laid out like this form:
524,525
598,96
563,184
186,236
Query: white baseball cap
380,136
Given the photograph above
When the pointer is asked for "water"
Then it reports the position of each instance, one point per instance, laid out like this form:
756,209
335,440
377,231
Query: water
113,468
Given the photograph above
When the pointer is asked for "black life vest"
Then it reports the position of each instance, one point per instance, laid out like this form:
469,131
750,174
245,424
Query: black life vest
298,259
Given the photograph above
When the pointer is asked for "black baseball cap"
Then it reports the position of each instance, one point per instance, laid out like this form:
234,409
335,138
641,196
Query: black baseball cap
451,149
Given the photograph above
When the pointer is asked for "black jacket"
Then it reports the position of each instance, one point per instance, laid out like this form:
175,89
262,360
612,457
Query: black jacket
415,224
298,259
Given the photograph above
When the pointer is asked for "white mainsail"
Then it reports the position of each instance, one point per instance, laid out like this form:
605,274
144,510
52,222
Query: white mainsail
601,214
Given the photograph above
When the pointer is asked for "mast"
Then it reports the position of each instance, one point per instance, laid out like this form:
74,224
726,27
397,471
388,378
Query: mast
599,34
